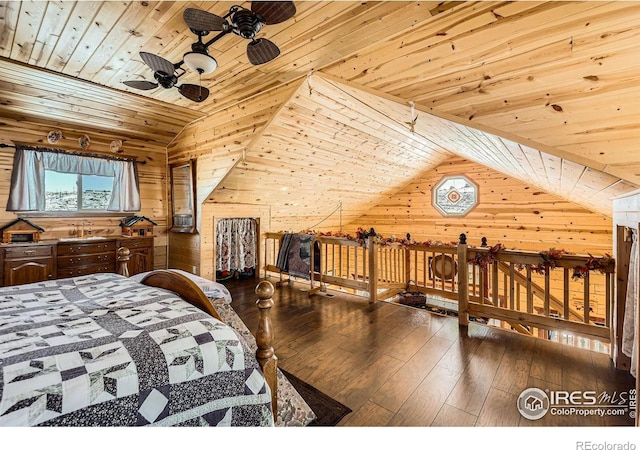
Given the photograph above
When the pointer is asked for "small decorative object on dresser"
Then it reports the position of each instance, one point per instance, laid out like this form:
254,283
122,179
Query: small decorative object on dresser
21,230
137,226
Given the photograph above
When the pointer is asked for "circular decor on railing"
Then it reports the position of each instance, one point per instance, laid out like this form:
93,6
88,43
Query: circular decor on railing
444,266
54,136
116,146
84,141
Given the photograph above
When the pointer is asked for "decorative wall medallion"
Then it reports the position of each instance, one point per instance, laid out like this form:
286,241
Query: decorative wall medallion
455,195
116,146
84,142
54,136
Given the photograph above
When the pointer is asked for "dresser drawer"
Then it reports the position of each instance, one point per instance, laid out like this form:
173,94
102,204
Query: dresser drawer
135,243
28,252
66,261
83,249
87,270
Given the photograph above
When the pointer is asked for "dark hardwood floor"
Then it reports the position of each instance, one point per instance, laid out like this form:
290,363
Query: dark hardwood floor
394,365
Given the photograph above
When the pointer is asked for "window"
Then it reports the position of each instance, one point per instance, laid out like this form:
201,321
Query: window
65,191
455,196
57,181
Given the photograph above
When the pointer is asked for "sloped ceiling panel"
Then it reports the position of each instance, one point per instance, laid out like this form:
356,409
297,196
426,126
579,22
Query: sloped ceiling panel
338,144
28,92
580,184
326,152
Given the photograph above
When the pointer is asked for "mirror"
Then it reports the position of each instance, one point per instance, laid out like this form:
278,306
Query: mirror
183,195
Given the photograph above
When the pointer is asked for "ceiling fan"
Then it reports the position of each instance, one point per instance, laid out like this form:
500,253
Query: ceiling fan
241,21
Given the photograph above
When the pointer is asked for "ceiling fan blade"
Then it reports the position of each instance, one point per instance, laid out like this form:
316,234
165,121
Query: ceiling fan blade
158,63
142,85
199,20
274,12
261,51
194,92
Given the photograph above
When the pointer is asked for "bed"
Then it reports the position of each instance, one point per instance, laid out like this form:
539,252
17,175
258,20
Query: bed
107,350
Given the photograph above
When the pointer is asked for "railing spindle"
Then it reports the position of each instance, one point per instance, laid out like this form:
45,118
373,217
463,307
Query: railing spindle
512,282
565,312
494,282
529,291
587,306
547,289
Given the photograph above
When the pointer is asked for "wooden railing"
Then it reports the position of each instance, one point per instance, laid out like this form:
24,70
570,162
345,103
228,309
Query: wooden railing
539,294
507,286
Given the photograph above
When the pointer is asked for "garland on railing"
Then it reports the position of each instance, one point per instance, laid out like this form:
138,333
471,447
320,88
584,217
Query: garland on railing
362,234
549,260
483,259
593,263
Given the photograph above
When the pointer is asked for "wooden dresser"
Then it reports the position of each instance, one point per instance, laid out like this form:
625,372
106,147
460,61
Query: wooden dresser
33,262
83,258
27,263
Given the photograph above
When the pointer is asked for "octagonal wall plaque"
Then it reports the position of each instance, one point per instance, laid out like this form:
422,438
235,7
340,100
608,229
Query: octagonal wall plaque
455,195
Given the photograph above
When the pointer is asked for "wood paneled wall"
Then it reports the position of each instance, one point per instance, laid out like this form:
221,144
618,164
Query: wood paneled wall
152,175
509,211
218,143
184,252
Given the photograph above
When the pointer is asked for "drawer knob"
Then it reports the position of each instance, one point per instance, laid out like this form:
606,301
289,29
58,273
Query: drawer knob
29,252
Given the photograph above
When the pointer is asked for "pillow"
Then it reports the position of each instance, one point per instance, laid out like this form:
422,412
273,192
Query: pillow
211,289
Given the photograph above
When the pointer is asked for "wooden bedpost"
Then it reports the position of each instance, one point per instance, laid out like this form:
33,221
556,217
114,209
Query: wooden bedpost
264,338
123,259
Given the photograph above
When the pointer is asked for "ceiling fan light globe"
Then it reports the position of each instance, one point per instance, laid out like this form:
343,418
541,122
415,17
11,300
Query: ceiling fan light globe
200,62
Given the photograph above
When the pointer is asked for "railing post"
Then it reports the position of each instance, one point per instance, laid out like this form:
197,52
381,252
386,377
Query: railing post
484,274
407,264
463,282
373,268
313,265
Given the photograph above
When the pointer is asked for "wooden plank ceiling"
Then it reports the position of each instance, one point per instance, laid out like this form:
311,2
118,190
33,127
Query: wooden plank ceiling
546,91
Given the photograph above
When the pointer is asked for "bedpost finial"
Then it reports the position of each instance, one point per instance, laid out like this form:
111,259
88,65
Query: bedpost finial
264,290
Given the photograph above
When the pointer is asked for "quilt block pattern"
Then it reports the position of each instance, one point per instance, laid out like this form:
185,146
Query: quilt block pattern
104,350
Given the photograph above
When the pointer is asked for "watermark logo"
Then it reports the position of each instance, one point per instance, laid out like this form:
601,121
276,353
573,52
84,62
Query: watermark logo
534,403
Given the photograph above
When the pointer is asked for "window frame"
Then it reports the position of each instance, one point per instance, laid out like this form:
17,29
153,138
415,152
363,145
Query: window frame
79,195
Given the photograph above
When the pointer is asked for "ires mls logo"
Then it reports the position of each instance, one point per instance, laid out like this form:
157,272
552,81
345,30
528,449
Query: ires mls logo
534,403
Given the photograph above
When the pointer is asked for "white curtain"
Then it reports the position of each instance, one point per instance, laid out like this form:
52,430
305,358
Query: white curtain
630,325
28,187
236,244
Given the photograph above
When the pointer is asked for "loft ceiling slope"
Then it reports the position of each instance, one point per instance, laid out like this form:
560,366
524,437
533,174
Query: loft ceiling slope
580,180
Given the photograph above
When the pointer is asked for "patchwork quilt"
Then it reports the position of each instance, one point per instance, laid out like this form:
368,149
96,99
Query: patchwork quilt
104,350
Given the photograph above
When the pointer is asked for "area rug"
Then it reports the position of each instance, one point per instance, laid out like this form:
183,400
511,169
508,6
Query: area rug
329,412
